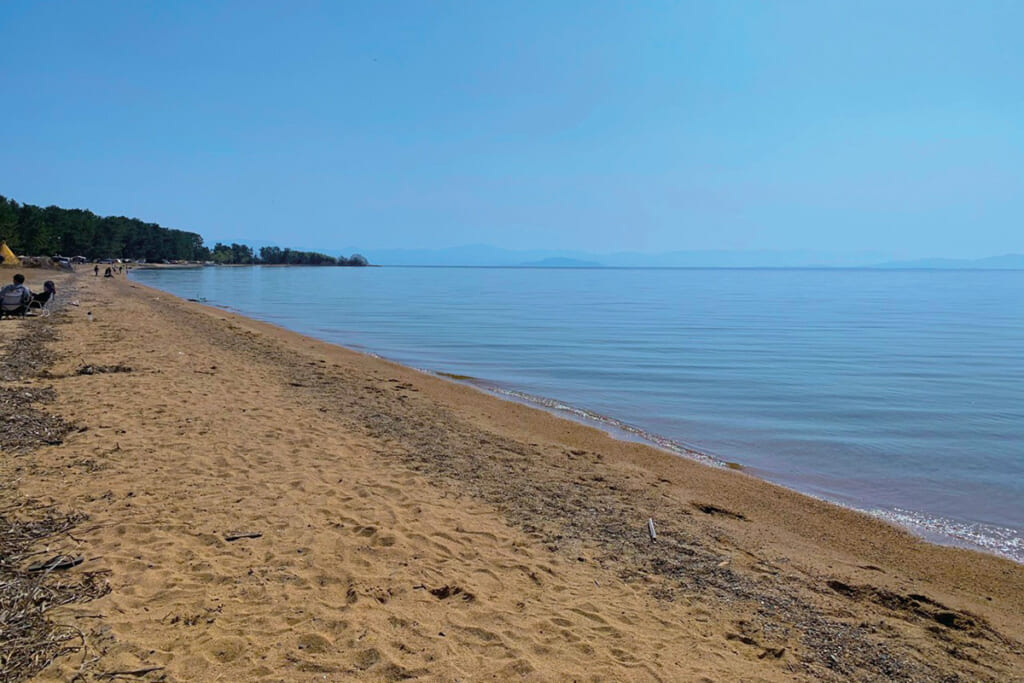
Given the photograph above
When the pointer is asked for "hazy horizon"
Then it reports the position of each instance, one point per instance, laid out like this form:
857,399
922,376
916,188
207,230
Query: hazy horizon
490,255
830,127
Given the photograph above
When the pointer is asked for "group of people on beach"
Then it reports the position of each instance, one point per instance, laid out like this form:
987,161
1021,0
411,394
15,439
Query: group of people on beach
16,298
109,272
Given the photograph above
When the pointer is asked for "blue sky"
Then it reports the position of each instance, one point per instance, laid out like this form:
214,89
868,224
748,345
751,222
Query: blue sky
894,127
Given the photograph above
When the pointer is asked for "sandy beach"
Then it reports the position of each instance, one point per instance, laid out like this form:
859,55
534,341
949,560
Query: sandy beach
265,506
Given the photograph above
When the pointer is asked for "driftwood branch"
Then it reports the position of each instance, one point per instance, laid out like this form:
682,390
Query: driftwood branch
132,672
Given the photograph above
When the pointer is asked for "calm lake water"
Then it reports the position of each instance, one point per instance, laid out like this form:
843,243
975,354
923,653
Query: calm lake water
896,392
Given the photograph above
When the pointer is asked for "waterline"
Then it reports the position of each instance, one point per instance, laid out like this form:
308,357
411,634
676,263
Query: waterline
882,391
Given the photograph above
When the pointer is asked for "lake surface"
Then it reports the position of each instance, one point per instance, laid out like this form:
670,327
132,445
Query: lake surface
896,392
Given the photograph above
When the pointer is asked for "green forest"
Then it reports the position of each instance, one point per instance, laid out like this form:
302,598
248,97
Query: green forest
51,231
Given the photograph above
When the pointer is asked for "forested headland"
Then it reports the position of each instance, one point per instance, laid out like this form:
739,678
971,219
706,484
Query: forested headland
50,231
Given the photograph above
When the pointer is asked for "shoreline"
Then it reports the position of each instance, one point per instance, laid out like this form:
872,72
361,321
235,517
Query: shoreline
930,528
379,489
926,527
1003,542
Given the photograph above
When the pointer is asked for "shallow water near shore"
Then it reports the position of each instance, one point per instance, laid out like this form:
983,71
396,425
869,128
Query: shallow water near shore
896,392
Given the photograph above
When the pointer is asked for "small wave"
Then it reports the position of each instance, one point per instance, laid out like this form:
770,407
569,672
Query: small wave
610,424
998,540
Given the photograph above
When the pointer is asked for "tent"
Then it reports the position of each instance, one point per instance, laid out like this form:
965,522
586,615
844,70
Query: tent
9,259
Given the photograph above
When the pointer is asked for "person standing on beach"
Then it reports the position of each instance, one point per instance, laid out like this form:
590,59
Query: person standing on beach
96,270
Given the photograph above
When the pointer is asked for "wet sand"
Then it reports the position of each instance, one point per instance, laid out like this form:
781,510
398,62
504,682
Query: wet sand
400,526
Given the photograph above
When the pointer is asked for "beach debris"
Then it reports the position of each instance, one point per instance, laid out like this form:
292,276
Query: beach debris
29,640
650,529
56,562
101,369
25,426
237,535
709,509
446,591
917,605
130,672
27,354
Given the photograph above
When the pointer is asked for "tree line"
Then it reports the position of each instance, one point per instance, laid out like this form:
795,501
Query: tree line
240,253
38,231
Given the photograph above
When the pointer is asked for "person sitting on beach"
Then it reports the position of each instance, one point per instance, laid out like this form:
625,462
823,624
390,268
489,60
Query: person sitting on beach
15,297
108,272
49,290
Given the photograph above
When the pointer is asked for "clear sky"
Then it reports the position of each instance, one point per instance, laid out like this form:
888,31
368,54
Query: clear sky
894,126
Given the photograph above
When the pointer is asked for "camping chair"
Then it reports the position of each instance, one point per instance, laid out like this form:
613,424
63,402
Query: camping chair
11,306
39,307
42,302
12,311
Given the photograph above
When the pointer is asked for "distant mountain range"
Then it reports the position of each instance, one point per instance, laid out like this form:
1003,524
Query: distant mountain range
561,262
484,255
481,255
1005,262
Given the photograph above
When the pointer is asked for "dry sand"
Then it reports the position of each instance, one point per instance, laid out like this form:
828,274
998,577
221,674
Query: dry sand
412,527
